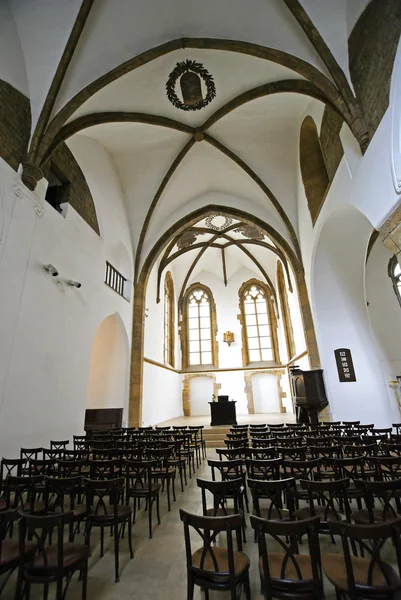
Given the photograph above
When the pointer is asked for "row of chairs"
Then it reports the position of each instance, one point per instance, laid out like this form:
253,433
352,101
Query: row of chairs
97,486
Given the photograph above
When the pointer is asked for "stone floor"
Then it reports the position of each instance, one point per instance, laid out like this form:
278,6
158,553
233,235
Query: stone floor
158,570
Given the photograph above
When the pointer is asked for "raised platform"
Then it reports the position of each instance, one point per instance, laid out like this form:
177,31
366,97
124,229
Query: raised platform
214,436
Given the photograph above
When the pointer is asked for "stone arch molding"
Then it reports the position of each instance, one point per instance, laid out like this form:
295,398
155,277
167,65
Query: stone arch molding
186,389
395,102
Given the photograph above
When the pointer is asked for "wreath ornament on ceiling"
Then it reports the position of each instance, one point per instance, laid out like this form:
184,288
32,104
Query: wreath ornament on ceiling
190,73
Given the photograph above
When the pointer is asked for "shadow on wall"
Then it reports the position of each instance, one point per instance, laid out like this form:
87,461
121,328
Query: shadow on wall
109,365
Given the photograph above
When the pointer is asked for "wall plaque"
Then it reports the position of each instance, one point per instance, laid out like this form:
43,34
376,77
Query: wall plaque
345,366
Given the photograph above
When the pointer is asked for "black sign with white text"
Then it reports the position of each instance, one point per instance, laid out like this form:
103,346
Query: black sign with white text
345,366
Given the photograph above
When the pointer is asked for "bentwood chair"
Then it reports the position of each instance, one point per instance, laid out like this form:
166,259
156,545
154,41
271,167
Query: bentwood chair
212,566
9,549
367,575
289,574
139,485
49,563
104,508
222,492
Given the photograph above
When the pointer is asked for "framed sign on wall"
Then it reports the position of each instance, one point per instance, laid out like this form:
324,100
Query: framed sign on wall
345,365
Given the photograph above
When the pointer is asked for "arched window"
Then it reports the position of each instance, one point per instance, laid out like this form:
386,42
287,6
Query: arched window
394,271
285,311
259,324
199,346
169,320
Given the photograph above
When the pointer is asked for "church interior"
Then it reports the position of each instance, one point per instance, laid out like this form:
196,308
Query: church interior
200,299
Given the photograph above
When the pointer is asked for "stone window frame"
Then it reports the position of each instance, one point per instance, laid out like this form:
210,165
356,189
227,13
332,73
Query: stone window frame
285,311
185,330
169,323
272,324
395,279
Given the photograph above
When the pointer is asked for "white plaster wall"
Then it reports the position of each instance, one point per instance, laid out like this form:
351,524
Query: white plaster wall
265,393
12,65
200,394
109,366
385,317
47,328
341,319
162,395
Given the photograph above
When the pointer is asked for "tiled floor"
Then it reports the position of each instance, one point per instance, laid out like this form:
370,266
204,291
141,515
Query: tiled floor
158,570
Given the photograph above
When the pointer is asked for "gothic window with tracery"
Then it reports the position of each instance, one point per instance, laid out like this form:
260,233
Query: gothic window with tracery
200,327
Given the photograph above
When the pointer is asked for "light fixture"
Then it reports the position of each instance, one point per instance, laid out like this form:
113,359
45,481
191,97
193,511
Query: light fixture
51,269
229,337
74,283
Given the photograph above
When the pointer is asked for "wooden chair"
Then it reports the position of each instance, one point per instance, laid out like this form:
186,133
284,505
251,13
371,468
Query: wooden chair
263,469
9,548
164,470
223,492
302,470
63,495
139,485
214,567
59,444
327,500
368,575
386,493
280,497
261,453
230,469
104,508
49,563
289,574
21,493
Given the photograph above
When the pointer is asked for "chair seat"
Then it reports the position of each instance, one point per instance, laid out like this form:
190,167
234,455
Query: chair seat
143,491
10,553
361,517
274,514
334,567
35,508
106,514
72,554
290,573
306,513
220,512
79,510
241,563
163,472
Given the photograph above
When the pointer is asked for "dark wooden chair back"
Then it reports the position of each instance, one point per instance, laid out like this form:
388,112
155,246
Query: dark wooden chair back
228,469
289,574
221,492
22,492
59,444
30,453
374,578
387,493
12,466
331,496
261,453
302,469
209,570
263,469
280,495
100,494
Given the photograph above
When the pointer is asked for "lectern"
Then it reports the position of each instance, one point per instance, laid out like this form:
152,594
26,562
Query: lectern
223,413
309,394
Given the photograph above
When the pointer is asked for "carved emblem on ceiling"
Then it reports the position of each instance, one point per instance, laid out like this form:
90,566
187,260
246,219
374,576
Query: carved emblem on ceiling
190,74
187,239
218,222
251,231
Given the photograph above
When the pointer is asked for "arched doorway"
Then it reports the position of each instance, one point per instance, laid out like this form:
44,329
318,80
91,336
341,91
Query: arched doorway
108,371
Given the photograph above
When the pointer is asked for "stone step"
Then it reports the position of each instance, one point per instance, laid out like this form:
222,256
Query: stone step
215,436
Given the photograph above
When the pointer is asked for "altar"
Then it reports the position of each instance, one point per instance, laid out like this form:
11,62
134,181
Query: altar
223,413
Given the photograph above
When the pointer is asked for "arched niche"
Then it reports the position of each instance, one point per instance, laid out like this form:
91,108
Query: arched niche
342,320
313,168
109,365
